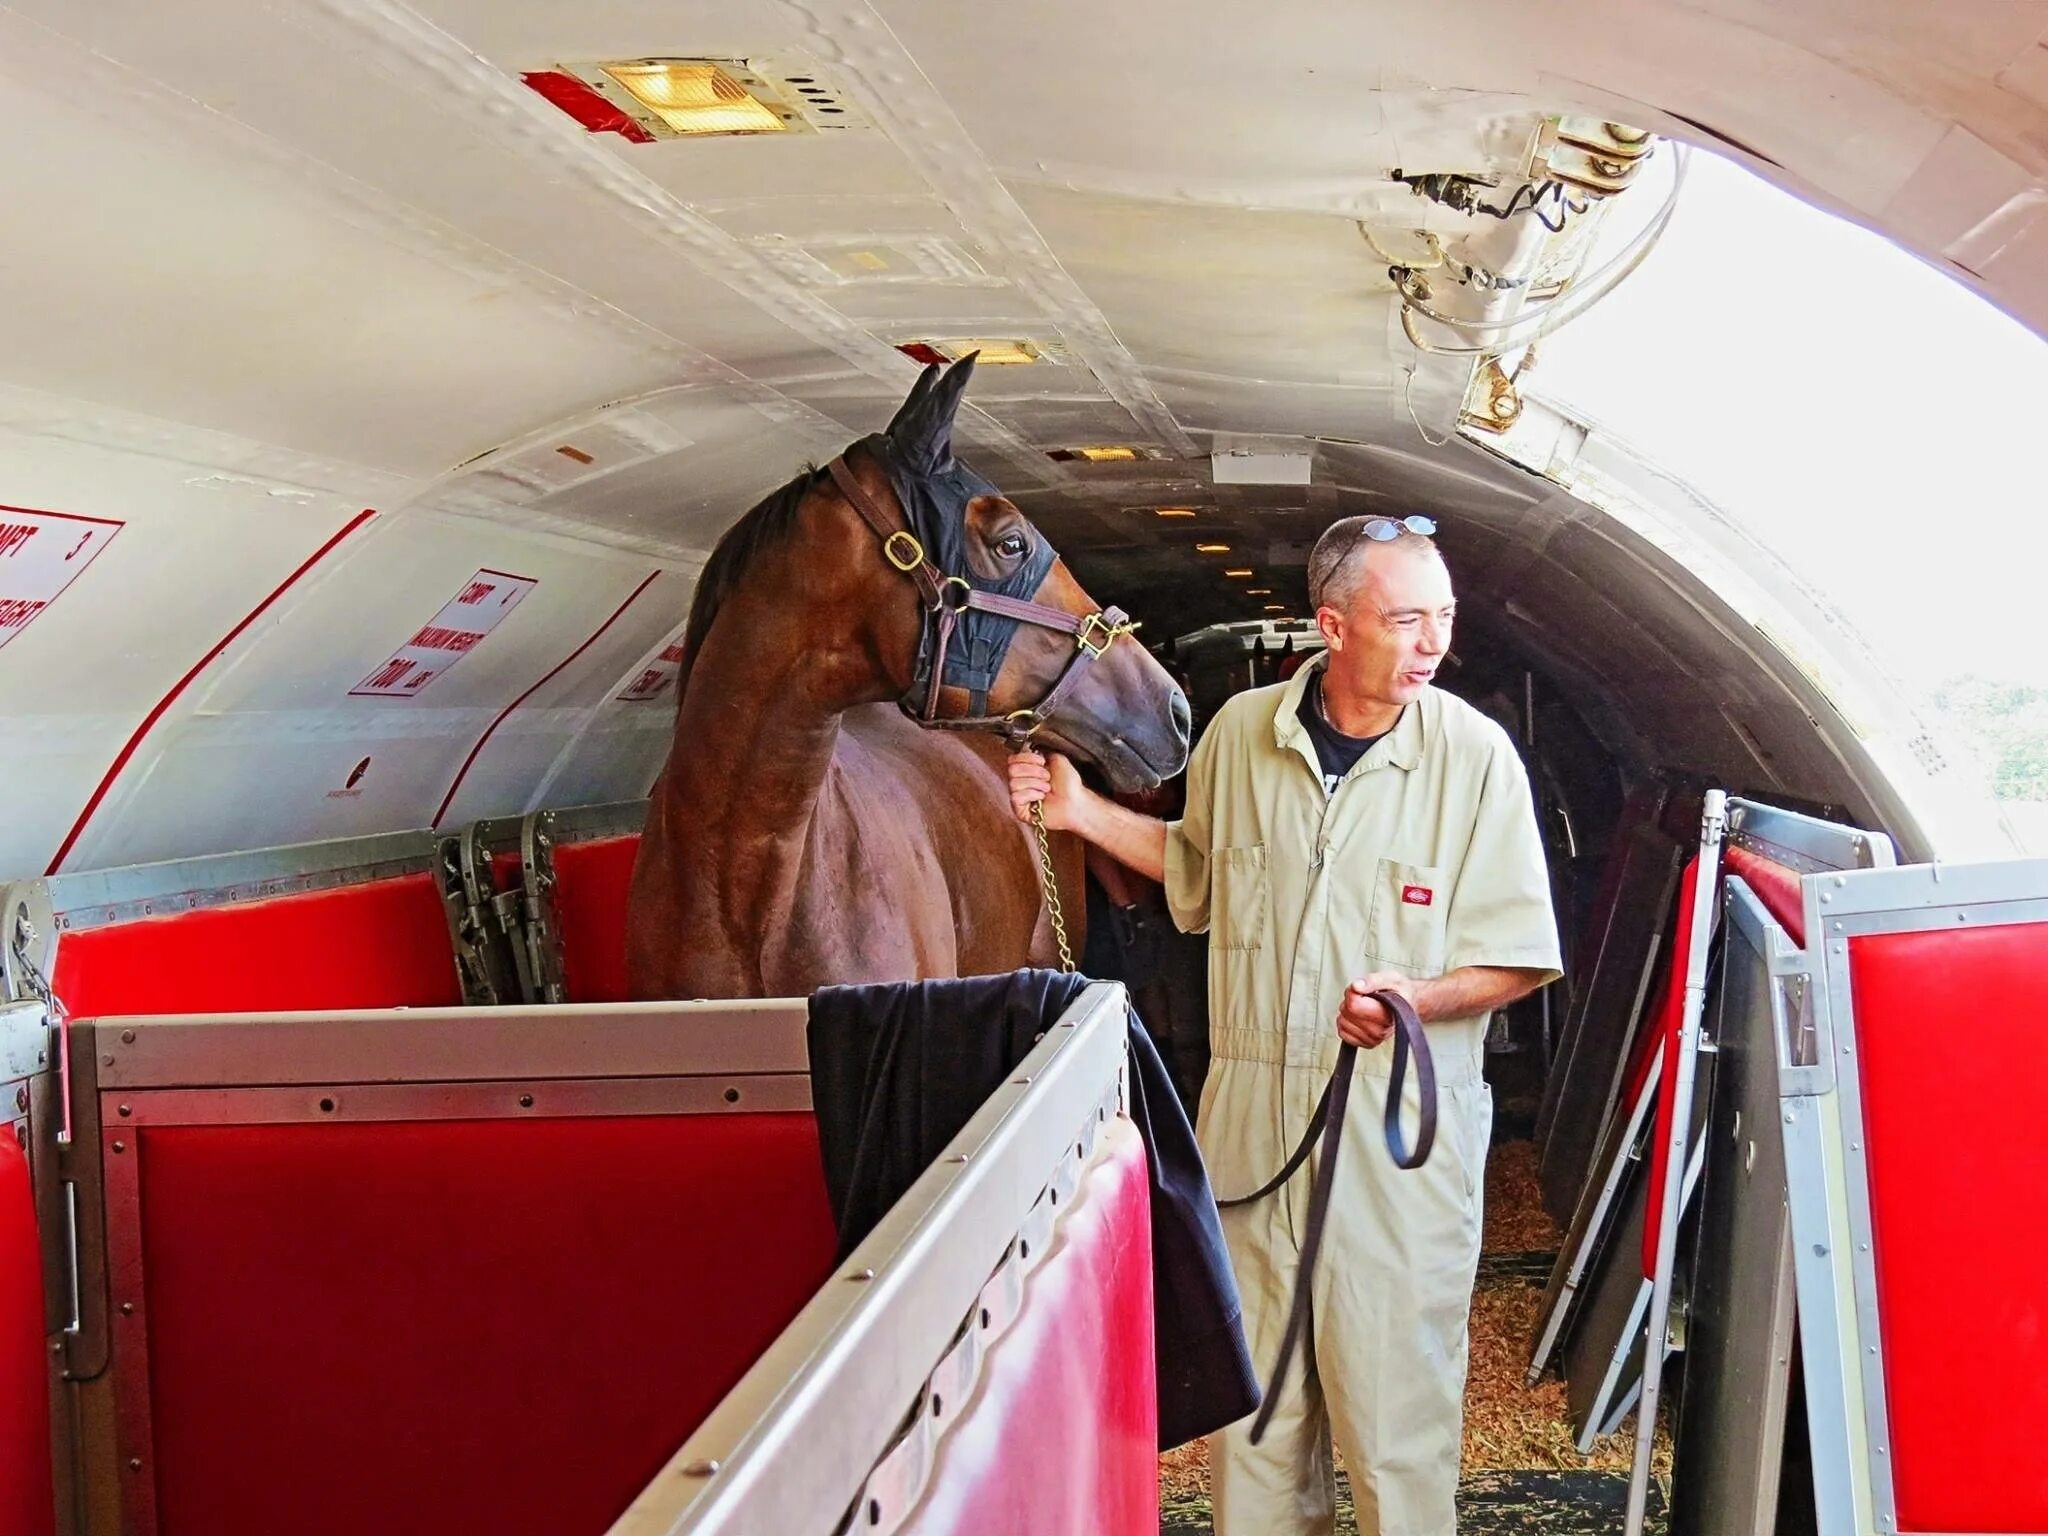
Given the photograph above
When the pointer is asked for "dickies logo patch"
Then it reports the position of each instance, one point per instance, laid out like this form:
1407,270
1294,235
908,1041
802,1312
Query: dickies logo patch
1417,895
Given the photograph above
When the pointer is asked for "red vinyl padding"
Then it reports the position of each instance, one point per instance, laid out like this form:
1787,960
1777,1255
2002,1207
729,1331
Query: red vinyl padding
1776,886
375,945
502,1325
591,881
27,1507
1952,1047
1667,1024
1061,1434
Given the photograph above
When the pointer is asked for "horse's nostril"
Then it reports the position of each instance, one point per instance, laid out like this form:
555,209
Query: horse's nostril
1177,708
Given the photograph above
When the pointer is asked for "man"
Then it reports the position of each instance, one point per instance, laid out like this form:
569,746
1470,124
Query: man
1349,831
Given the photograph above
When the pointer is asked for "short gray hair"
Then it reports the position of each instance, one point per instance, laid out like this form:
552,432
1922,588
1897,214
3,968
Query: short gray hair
1337,563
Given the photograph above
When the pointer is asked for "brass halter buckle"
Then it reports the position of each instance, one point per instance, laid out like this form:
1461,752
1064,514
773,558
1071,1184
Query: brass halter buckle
1096,623
906,563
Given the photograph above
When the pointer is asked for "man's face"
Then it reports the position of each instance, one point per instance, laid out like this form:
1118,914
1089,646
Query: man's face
1388,644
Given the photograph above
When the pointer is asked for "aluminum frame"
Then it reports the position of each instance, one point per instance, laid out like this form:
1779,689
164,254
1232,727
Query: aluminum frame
385,1065
100,897
792,1446
540,834
1805,843
1840,1323
1731,1425
1680,1148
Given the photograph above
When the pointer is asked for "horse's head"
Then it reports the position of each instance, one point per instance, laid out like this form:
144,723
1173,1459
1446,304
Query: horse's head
982,622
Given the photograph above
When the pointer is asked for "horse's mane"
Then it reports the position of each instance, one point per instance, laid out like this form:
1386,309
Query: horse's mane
765,524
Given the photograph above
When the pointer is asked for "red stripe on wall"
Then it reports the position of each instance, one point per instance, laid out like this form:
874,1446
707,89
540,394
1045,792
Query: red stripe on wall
477,750
149,721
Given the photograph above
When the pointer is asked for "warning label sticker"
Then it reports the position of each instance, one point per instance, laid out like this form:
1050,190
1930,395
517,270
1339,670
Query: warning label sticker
652,677
446,638
41,553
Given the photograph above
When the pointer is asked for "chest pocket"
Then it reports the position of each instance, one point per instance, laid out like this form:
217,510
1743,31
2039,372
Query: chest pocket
1239,898
1406,929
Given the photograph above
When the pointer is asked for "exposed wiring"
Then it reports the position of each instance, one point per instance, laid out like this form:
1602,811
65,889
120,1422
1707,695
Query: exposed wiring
1408,399
1574,301
1461,193
1436,251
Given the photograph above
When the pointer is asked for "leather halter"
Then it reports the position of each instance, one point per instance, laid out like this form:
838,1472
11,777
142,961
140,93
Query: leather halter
947,597
1327,1123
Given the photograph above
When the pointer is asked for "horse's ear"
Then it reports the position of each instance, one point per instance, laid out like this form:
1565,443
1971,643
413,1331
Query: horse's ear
922,431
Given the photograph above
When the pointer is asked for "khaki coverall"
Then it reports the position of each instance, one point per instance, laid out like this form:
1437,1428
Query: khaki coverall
1426,858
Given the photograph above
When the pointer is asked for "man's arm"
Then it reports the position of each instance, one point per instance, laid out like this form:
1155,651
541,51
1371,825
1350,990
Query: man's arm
1471,989
1131,838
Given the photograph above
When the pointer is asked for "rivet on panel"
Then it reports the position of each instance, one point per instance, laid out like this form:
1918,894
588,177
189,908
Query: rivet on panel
126,1111
127,1309
134,1463
526,1101
700,1468
120,1146
127,1037
861,1274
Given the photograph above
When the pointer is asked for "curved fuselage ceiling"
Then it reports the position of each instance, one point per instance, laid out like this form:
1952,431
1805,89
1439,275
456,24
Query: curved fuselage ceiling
271,268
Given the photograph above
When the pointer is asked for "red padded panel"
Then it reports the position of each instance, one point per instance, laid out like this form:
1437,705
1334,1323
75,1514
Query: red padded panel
1668,1023
591,880
1952,1047
501,1326
374,945
1061,1434
27,1507
1776,886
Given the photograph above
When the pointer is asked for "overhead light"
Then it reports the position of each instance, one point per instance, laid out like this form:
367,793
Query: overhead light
643,100
993,352
1276,607
1104,453
1242,571
1173,511
695,96
1258,591
1212,549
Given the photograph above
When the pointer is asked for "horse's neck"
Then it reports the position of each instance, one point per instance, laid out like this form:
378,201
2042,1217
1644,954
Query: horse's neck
749,759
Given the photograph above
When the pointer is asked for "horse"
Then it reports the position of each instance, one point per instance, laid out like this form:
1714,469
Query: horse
862,649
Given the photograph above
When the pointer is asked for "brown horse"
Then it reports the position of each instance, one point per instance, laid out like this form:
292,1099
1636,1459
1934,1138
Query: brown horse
823,817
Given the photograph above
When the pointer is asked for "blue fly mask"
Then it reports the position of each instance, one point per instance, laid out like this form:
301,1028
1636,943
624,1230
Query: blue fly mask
968,622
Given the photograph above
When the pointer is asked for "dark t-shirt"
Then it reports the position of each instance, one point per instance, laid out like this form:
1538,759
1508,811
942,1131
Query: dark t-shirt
1337,752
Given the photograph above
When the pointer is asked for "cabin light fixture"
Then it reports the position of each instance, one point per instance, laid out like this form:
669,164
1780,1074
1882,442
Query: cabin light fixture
1103,453
646,99
1242,571
1173,511
1212,549
1276,607
1258,591
992,352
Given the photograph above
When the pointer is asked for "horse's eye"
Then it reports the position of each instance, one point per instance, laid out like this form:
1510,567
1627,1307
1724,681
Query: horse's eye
1012,546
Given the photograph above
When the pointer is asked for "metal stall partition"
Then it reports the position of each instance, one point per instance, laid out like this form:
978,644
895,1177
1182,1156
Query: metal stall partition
484,894
982,1363
576,868
1621,956
1598,1299
27,1487
355,923
1737,1409
435,1269
1915,1155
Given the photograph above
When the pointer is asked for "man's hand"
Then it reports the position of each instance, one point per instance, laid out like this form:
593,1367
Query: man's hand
1363,1020
1051,780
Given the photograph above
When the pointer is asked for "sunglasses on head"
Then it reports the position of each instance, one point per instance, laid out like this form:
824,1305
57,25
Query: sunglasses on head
1381,529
